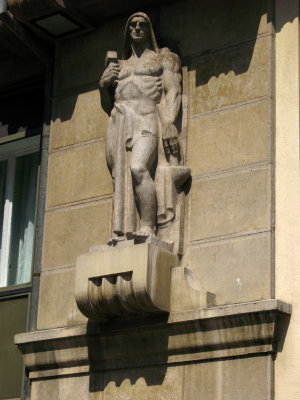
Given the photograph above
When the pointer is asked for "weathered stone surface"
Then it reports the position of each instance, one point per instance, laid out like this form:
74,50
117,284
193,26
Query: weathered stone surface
80,61
68,388
56,298
229,139
77,118
219,332
230,379
77,174
234,22
158,382
188,293
236,270
71,232
241,378
230,204
126,280
231,76
141,93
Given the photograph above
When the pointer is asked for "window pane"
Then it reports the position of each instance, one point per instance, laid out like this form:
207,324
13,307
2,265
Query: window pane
3,169
22,228
13,317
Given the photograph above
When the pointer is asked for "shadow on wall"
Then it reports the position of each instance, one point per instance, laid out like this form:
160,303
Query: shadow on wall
114,352
193,30
129,355
150,376
214,28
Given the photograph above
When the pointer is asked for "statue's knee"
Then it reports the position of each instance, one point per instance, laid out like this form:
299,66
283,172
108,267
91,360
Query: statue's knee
137,172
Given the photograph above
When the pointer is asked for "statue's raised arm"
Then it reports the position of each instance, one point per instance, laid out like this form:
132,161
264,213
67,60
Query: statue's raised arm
108,81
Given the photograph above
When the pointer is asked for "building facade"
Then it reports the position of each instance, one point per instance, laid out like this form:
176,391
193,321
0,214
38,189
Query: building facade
229,324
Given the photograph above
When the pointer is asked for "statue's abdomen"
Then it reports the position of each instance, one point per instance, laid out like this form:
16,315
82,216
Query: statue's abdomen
141,91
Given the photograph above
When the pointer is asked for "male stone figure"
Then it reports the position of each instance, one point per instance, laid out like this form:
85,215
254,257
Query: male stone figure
142,95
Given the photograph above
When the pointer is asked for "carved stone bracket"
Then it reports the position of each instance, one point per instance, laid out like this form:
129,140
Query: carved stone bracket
127,279
135,279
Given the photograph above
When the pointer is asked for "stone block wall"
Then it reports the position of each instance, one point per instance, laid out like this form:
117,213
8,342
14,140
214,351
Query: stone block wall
227,76
230,151
227,55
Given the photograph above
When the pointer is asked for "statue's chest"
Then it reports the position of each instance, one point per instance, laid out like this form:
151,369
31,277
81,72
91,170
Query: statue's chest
146,67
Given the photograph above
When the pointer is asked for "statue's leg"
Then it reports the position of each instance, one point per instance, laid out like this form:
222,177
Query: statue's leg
144,153
110,159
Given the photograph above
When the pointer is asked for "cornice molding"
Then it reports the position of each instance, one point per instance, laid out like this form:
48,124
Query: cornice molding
218,332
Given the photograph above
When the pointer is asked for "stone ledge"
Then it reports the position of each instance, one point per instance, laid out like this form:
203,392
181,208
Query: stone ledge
218,332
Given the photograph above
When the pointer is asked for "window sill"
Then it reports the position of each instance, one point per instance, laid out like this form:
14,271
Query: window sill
15,290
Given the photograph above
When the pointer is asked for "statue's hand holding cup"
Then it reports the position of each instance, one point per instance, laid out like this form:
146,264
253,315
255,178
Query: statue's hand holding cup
110,75
170,140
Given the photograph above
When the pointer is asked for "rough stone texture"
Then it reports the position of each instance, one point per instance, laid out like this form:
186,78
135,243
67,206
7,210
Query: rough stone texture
69,388
245,378
230,204
235,22
218,332
119,363
56,298
236,270
147,383
72,231
224,380
77,174
121,281
229,139
141,93
77,118
230,76
80,61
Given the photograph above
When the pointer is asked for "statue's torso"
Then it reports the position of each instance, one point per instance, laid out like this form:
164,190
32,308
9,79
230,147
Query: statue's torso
140,83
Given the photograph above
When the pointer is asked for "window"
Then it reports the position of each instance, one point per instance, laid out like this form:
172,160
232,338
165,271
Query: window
19,161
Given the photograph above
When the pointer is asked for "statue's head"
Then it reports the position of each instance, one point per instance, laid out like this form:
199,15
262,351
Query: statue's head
139,30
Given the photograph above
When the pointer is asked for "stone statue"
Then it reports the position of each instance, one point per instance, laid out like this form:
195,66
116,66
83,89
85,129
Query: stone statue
142,95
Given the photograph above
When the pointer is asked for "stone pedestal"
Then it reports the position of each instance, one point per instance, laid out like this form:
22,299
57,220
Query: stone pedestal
125,280
135,279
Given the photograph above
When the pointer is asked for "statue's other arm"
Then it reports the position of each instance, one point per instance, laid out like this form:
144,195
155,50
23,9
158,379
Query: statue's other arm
172,87
106,86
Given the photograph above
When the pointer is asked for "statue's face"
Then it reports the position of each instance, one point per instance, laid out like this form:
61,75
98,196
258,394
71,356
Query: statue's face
139,30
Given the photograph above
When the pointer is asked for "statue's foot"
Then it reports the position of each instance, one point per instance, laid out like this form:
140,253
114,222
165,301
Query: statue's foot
143,233
116,239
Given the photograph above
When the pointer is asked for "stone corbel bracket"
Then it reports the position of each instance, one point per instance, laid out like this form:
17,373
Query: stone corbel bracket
224,331
130,279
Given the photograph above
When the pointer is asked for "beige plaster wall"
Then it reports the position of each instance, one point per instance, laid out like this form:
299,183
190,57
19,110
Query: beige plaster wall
287,261
79,188
227,59
229,148
228,73
245,378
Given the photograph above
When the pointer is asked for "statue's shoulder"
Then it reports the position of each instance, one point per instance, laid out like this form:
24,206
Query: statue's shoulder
170,61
